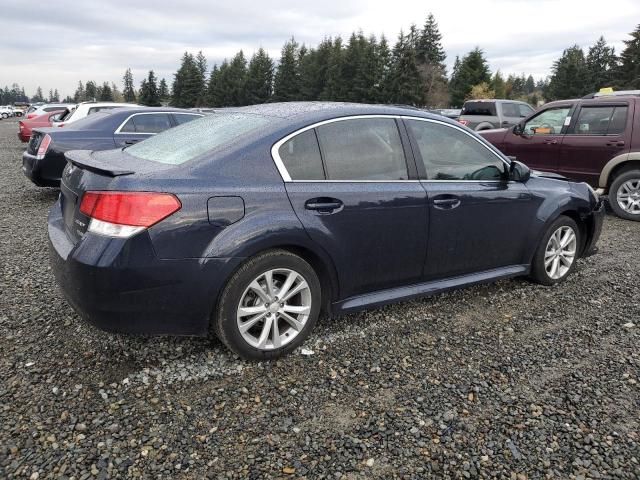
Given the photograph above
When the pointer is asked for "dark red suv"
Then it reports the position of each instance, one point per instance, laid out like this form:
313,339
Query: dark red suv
595,140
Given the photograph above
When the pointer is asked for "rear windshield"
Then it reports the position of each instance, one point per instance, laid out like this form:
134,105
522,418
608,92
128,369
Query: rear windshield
190,140
479,108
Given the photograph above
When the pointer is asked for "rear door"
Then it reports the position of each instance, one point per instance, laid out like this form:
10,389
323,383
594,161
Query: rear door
597,134
540,142
359,199
139,126
478,221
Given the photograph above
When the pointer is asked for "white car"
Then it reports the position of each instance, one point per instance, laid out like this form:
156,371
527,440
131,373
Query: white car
42,108
85,109
6,111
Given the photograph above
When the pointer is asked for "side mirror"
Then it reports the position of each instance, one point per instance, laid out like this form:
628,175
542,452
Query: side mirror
519,172
518,128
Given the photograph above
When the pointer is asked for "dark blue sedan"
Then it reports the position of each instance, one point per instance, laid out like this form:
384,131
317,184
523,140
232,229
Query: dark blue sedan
247,224
43,161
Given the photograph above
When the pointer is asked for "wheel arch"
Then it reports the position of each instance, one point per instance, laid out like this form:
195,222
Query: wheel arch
616,165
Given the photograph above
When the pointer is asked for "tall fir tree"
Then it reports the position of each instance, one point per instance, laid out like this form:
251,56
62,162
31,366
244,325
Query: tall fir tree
405,83
106,95
188,84
470,71
201,61
79,95
149,94
259,82
334,87
163,92
570,76
39,96
498,85
128,92
602,64
286,85
629,71
431,57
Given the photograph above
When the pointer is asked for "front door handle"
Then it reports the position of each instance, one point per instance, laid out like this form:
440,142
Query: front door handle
130,142
617,143
551,142
446,202
324,205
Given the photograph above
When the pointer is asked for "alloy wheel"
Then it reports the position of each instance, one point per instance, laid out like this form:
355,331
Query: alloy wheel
274,309
560,252
628,196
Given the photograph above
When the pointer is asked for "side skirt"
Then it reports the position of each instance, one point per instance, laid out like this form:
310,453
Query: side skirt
392,295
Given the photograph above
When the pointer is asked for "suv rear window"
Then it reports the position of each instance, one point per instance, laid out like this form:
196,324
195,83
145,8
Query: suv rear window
190,140
487,109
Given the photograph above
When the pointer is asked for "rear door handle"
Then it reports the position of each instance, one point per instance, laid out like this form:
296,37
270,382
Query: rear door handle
446,202
551,142
130,142
618,143
324,205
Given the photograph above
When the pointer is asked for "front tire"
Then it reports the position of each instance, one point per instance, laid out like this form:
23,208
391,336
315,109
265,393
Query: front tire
557,253
624,195
269,306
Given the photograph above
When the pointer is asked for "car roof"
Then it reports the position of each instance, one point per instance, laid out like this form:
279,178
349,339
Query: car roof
138,109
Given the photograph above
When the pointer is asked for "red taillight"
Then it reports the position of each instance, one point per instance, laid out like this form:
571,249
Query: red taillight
464,122
44,146
31,115
140,209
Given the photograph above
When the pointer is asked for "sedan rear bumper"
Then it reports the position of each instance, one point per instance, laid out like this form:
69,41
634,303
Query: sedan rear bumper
120,285
39,171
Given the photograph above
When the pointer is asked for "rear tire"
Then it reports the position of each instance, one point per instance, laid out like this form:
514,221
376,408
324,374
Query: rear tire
269,306
624,195
557,253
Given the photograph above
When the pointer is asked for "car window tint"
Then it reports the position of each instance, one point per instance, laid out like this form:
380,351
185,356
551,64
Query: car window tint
362,149
450,154
618,120
151,123
593,120
548,122
301,157
487,109
185,117
510,110
128,127
525,110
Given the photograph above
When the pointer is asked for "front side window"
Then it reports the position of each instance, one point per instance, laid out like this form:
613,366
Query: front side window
450,154
301,157
548,122
362,149
600,120
152,123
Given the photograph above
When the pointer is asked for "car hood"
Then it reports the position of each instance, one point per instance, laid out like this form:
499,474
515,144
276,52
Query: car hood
556,176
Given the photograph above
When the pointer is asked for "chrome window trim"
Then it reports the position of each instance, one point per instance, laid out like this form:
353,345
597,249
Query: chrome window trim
282,169
148,113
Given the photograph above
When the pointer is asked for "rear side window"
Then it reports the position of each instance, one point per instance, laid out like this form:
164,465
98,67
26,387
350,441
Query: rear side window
362,149
450,154
510,110
148,123
600,120
301,157
487,109
185,117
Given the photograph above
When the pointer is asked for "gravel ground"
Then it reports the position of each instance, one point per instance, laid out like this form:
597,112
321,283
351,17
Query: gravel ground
510,380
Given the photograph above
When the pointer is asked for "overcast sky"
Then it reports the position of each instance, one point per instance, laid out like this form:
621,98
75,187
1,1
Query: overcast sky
53,44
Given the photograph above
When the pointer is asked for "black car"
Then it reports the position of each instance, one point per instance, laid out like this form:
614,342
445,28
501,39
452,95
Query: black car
248,223
43,161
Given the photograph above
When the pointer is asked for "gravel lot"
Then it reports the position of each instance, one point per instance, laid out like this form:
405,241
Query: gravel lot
510,380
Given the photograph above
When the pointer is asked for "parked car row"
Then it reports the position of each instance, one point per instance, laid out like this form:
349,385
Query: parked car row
7,111
247,223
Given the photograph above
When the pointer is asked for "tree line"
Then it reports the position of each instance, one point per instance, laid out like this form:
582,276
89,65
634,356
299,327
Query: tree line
368,69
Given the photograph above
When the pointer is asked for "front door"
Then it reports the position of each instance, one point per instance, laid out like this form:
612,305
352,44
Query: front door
538,146
595,136
477,220
360,201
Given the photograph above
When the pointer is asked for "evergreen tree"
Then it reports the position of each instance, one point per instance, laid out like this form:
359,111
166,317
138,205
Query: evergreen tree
213,91
201,61
431,58
629,71
39,96
380,88
498,85
259,83
286,85
405,83
163,92
79,95
128,91
455,84
570,76
472,70
530,85
117,95
106,95
90,90
601,65
334,86
236,80
50,95
149,94
188,84
56,95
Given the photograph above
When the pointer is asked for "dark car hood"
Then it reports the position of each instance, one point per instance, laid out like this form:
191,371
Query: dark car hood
556,176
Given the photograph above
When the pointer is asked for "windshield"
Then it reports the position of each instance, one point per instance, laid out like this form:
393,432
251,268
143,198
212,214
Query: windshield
190,140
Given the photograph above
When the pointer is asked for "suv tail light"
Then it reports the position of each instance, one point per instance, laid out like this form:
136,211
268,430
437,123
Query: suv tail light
464,122
43,147
123,214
